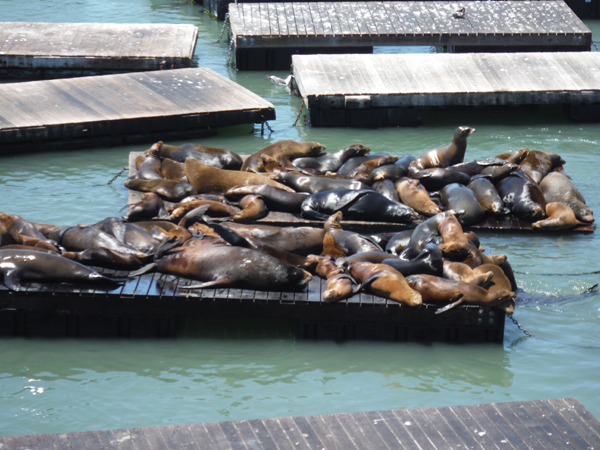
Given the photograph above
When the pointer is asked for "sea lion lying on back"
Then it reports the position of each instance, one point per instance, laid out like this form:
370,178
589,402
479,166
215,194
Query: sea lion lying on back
283,152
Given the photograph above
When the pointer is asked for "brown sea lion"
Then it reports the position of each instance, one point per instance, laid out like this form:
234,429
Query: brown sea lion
275,199
515,157
149,207
173,170
413,194
349,241
559,188
331,248
300,240
284,151
162,229
560,217
539,164
448,155
386,282
363,171
451,230
326,267
103,257
458,271
339,286
497,260
435,178
215,209
463,252
253,208
216,157
10,235
211,180
169,190
499,279
331,162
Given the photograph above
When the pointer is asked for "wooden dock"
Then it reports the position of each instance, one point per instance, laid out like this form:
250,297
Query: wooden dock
122,109
266,35
554,424
390,90
50,50
149,305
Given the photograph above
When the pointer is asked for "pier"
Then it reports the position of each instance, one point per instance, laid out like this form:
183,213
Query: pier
553,424
122,109
266,35
390,90
49,50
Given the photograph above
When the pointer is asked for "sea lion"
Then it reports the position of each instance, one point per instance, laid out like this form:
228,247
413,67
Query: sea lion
26,228
463,252
10,235
557,187
173,170
487,196
458,271
103,257
522,197
373,256
398,242
423,233
497,173
460,198
448,155
339,286
363,171
357,205
215,209
216,157
149,207
253,208
313,185
385,281
162,229
276,199
499,280
392,172
451,230
413,194
299,240
442,291
211,180
539,164
354,162
228,265
435,178
129,234
560,217
348,241
284,152
326,267
429,261
387,189
169,190
331,162
17,266
515,157
150,168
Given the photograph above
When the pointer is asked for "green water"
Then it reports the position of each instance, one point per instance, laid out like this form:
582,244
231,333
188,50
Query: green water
240,372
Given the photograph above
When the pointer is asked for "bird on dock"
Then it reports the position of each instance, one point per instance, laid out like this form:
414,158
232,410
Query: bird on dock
281,81
459,13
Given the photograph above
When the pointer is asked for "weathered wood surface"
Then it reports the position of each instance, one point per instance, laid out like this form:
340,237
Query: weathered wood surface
39,113
406,82
95,46
321,24
554,424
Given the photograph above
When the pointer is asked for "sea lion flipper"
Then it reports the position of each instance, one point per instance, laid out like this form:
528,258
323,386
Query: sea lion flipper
350,197
220,280
451,305
147,268
11,280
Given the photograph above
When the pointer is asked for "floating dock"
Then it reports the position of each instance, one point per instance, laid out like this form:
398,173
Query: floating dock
50,50
266,35
123,109
553,424
390,90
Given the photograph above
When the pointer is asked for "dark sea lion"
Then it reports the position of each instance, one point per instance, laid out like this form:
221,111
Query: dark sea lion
173,170
149,207
129,234
331,162
103,257
357,205
374,256
79,238
162,229
515,157
150,168
398,242
299,240
10,235
473,238
211,180
387,189
460,198
424,232
392,172
445,156
429,261
443,291
487,196
354,162
212,197
284,152
17,266
228,265
458,271
216,157
522,197
363,171
253,208
539,164
348,241
170,190
557,187
339,286
413,194
312,185
404,162
463,252
276,199
435,178
386,282
496,173
560,217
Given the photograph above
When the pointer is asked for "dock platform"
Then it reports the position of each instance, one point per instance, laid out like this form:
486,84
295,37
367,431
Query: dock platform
266,35
122,109
536,425
149,306
50,50
391,90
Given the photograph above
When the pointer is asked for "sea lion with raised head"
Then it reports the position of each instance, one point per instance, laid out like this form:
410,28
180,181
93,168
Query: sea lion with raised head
423,233
539,164
284,152
348,241
445,156
363,171
515,157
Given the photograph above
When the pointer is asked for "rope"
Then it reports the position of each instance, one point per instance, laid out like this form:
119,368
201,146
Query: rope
230,52
225,23
262,127
299,112
113,178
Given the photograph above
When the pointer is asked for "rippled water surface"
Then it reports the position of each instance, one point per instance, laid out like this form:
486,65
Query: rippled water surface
233,371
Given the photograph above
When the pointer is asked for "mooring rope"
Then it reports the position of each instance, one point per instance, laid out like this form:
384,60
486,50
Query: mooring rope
225,23
299,112
113,178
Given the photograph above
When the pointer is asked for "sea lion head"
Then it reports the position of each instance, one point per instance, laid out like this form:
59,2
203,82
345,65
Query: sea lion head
315,148
463,132
333,222
154,150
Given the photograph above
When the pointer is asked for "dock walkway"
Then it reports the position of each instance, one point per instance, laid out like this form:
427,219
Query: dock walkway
388,90
121,109
536,425
48,50
265,35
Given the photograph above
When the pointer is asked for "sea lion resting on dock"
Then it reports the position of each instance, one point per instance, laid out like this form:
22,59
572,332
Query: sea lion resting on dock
216,157
284,152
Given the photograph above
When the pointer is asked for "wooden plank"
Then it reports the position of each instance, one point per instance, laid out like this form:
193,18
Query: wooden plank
579,417
273,21
407,18
380,18
282,19
328,26
315,17
293,28
308,21
299,18
567,430
345,19
364,11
